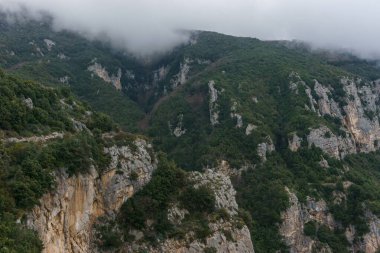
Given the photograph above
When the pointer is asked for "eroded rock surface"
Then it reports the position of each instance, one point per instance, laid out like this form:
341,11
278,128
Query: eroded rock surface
65,216
102,73
264,148
226,235
213,106
335,146
294,219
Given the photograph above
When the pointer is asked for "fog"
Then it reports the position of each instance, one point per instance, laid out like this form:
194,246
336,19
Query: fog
149,26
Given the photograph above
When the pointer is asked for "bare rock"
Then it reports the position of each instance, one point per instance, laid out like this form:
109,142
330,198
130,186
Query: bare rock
29,103
213,106
249,129
64,217
102,73
264,148
294,219
335,146
49,44
295,142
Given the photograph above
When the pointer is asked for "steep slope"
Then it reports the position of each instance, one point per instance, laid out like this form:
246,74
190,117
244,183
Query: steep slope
51,142
65,170
299,129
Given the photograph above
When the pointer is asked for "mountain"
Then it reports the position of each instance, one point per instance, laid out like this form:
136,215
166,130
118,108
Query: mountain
294,131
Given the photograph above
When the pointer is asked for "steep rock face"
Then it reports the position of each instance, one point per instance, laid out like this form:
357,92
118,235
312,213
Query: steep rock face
65,216
179,130
294,142
264,148
335,146
326,104
250,128
213,106
235,114
363,101
358,114
227,236
371,240
294,219
102,73
240,240
182,75
297,215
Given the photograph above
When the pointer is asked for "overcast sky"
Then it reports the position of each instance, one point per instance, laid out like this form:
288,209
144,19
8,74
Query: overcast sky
146,26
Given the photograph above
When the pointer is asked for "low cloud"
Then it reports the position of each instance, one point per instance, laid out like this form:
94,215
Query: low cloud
148,26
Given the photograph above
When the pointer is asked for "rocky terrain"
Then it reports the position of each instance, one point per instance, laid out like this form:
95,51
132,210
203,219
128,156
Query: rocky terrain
229,235
64,218
292,137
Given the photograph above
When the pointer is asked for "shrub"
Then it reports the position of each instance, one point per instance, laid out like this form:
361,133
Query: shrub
200,199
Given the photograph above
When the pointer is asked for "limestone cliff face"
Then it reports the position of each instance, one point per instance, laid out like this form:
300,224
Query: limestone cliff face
358,115
296,216
362,113
227,236
102,73
335,146
65,216
371,240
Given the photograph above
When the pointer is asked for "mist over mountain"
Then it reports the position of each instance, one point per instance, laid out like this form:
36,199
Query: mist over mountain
122,130
147,26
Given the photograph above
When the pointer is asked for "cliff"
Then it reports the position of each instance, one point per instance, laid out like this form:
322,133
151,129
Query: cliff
65,216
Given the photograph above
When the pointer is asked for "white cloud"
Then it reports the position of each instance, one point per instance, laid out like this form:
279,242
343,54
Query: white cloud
146,26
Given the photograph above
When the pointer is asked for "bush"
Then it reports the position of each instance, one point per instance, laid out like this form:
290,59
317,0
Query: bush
200,199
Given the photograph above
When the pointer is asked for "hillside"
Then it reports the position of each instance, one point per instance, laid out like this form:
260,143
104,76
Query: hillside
296,131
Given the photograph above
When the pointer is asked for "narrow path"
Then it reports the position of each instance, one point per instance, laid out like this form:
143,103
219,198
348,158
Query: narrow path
42,138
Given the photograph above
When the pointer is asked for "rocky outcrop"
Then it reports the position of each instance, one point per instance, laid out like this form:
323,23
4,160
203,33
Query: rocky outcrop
371,240
237,116
294,219
62,56
264,148
358,114
326,104
102,73
362,103
65,216
181,77
226,238
335,146
227,235
64,79
49,44
213,106
294,142
179,130
249,129
158,75
29,103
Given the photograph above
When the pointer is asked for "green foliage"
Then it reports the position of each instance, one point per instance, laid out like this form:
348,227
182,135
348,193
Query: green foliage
77,152
17,239
107,237
27,168
199,199
210,250
335,240
244,70
153,200
262,193
47,113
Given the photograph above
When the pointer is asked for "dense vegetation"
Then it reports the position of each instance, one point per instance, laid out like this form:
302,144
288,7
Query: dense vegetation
27,168
147,210
250,75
